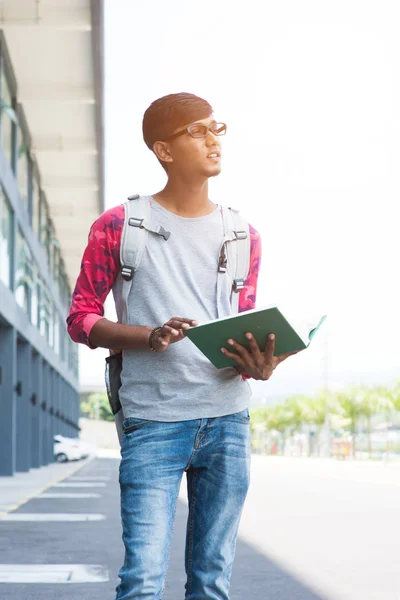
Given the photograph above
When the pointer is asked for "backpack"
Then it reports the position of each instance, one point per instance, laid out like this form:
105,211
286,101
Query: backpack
234,256
233,262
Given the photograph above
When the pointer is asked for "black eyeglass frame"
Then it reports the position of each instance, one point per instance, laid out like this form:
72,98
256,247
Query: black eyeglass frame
187,130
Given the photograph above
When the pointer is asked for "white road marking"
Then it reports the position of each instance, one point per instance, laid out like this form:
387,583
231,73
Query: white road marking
78,484
67,495
51,517
99,478
53,573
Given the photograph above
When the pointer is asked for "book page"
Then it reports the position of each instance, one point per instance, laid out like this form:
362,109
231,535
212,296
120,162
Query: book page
301,321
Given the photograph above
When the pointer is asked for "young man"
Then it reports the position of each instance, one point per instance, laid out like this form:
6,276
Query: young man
180,413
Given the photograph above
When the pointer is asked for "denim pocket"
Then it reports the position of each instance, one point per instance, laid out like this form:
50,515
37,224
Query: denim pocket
131,424
240,417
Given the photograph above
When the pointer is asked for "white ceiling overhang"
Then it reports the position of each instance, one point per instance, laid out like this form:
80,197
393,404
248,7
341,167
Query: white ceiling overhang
56,50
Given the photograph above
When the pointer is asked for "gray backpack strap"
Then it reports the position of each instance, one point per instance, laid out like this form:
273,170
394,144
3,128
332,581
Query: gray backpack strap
137,226
234,258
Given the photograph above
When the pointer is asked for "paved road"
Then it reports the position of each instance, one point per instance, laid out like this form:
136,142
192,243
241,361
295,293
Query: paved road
311,530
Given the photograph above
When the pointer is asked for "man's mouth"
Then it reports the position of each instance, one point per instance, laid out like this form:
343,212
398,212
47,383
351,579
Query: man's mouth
214,155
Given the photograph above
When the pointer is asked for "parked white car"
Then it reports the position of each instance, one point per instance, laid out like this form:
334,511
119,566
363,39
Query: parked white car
66,449
86,448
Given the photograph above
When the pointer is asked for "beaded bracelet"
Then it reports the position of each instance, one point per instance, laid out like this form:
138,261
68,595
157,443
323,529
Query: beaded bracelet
152,333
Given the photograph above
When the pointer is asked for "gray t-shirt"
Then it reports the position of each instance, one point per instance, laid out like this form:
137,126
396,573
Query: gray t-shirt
178,278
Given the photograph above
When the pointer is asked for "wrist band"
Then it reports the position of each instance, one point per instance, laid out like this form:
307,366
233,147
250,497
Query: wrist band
151,336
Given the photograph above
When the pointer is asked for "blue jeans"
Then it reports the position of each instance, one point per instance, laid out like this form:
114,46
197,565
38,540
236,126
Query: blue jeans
215,453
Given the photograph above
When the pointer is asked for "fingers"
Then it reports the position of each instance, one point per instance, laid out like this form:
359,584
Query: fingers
185,323
254,350
240,354
269,349
168,330
176,324
236,357
173,330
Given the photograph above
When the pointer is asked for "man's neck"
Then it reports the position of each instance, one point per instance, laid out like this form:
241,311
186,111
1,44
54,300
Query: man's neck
185,200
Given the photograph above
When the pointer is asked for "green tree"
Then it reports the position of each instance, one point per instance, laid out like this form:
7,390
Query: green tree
97,407
297,407
394,396
351,404
280,418
377,400
314,415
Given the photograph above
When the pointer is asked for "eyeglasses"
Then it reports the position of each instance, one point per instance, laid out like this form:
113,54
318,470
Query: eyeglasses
200,131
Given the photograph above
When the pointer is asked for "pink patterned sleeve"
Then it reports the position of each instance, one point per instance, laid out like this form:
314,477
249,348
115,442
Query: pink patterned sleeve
99,268
247,298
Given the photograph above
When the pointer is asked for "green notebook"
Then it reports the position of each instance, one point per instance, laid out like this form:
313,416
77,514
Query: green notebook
211,337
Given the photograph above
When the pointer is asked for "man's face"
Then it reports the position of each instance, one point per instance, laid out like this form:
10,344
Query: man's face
199,157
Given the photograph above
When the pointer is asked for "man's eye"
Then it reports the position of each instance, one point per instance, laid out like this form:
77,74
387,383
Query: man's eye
198,130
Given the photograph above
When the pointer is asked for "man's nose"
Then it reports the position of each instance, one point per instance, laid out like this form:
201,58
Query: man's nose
211,138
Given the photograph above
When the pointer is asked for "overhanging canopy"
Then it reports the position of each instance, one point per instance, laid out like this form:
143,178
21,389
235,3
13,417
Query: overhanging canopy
56,49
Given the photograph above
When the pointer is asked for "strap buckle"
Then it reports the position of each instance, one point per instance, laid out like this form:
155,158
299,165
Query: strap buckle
222,262
163,232
127,273
133,222
238,284
240,235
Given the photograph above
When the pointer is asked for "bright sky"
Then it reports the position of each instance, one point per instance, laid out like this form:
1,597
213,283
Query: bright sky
311,94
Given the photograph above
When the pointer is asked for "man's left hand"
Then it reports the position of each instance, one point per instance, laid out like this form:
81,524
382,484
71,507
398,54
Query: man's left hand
254,363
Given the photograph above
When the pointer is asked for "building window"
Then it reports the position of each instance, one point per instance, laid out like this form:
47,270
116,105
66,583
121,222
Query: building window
73,358
52,243
35,297
36,206
63,341
60,279
44,226
67,294
7,116
63,285
23,171
6,239
56,261
46,314
56,332
24,274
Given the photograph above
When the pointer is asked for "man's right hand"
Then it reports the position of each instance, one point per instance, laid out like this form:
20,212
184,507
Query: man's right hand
171,332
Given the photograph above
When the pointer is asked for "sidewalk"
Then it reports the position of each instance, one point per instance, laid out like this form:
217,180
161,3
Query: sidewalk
21,487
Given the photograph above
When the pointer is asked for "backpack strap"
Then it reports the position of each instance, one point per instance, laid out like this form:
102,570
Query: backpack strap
234,256
137,226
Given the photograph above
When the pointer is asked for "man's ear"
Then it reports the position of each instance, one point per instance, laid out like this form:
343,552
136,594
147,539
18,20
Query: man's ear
162,151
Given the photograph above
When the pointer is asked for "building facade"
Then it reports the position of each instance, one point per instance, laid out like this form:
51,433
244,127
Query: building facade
51,189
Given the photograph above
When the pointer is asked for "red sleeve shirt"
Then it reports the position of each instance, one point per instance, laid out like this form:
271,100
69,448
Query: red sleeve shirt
101,265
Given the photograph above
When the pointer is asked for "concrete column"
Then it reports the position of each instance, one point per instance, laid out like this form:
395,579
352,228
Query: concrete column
50,406
24,358
75,397
49,416
62,406
36,414
8,380
45,415
57,421
69,409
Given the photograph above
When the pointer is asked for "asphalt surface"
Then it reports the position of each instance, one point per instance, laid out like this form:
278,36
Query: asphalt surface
311,530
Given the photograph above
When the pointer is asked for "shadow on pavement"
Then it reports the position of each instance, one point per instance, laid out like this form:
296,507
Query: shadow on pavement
254,575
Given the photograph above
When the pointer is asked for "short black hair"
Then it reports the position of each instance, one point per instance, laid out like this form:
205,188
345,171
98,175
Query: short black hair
171,112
